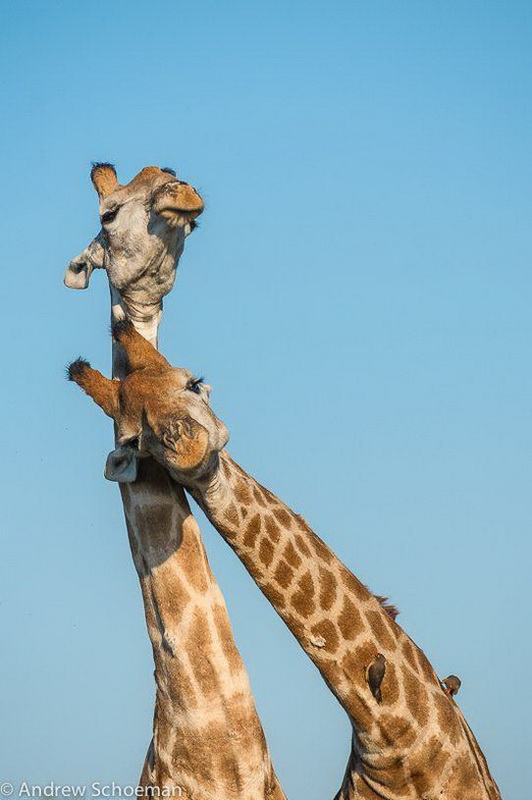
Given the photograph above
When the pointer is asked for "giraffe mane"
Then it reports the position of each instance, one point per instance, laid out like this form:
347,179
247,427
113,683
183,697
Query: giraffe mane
390,609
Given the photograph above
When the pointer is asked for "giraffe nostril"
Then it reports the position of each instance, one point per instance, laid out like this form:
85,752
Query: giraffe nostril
78,273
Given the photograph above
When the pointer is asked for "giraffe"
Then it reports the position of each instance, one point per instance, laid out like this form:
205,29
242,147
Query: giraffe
208,742
410,739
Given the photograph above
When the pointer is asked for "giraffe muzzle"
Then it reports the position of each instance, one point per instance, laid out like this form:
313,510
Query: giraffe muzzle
78,274
121,465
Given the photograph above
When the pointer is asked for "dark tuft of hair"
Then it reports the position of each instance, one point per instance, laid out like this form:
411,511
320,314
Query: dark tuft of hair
121,326
76,368
99,164
390,609
169,170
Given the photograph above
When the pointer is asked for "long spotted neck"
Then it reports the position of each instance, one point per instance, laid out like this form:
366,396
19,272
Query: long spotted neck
416,730
207,737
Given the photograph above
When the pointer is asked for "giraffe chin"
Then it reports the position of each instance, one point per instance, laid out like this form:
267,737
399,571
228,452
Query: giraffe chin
122,465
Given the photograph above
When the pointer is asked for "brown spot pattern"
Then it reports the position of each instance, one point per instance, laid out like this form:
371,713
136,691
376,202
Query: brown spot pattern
266,551
390,685
416,697
321,549
284,574
231,514
242,492
283,516
409,654
353,585
306,584
302,546
425,667
272,529
350,621
354,662
396,780
252,531
380,629
276,598
327,589
397,731
328,631
226,468
270,498
447,717
206,674
358,708
303,603
302,523
464,780
223,627
427,765
200,579
291,556
180,690
157,519
178,597
259,497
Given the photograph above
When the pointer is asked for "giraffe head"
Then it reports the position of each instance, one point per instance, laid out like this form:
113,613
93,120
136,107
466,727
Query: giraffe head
144,226
159,410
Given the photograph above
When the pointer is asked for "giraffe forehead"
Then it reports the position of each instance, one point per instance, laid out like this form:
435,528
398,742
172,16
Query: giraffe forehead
153,380
139,188
162,391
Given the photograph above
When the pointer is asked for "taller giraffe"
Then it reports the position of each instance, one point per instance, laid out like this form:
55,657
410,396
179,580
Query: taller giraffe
208,742
413,741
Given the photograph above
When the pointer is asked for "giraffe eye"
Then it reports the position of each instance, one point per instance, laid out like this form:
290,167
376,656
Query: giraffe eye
195,385
109,216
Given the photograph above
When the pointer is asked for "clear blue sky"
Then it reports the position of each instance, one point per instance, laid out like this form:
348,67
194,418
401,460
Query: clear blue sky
358,294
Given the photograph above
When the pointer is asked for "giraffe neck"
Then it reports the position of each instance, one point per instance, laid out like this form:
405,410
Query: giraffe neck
207,737
145,316
341,626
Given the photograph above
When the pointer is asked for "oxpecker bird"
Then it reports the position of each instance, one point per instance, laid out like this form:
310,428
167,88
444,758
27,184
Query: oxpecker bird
451,685
375,674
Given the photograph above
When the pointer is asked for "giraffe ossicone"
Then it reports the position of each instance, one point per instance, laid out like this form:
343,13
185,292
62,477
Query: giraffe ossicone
410,740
